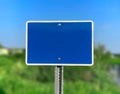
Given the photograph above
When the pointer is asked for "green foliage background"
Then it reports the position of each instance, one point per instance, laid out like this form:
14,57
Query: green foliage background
18,78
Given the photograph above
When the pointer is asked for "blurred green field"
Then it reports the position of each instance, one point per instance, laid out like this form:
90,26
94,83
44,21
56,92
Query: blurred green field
18,78
20,86
115,60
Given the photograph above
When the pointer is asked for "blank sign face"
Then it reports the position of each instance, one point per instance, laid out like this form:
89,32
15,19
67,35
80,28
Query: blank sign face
59,43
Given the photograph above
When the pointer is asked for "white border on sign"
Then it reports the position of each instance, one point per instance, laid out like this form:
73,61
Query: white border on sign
50,21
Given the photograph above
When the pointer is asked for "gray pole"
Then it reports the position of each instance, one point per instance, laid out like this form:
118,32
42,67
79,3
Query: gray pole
58,79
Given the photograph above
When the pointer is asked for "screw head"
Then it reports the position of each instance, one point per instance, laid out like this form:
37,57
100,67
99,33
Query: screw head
59,24
59,58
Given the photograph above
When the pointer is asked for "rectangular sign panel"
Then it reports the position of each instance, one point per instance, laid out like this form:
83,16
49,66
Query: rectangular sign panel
59,43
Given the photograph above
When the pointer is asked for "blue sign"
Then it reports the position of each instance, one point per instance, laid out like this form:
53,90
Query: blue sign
59,43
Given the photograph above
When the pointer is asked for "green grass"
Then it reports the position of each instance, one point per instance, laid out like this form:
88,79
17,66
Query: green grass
115,60
17,78
30,87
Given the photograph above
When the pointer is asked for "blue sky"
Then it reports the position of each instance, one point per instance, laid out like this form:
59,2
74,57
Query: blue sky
104,13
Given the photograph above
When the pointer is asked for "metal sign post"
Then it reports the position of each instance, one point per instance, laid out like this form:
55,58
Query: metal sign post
59,79
49,41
